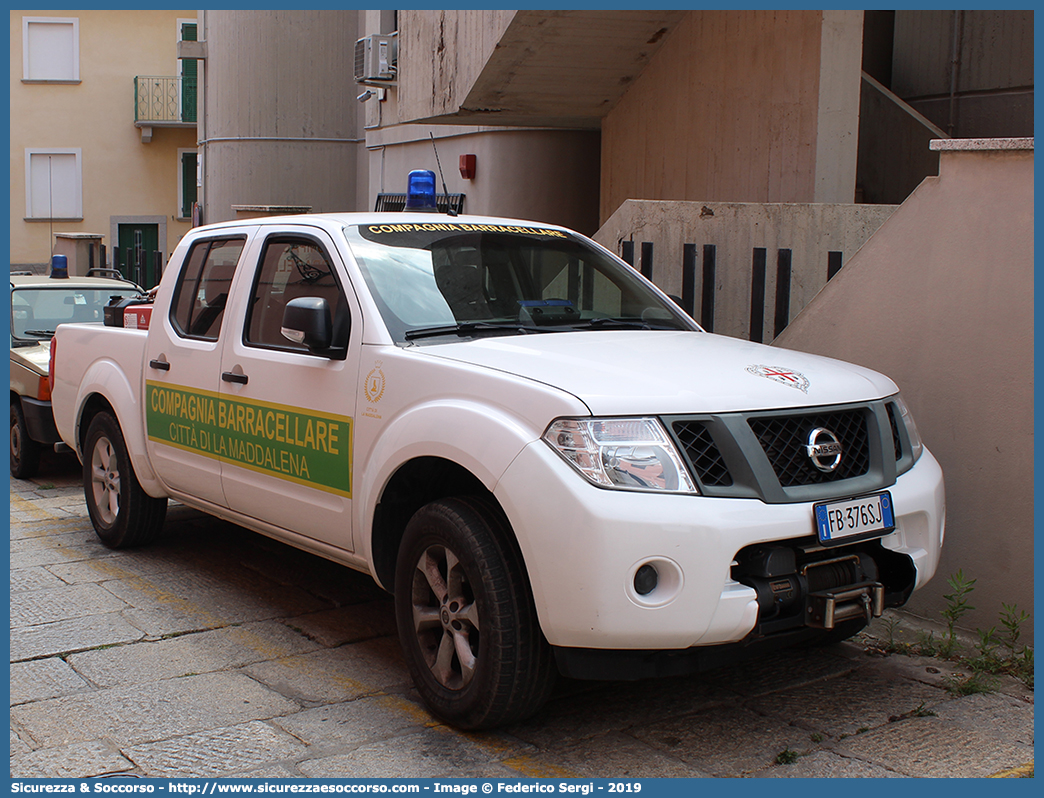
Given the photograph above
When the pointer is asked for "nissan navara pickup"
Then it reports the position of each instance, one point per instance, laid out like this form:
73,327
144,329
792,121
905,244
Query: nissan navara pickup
547,462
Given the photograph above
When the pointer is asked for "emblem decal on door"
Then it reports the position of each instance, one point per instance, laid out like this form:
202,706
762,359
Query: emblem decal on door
373,388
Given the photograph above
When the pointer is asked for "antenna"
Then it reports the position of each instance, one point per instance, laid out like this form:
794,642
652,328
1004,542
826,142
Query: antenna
449,205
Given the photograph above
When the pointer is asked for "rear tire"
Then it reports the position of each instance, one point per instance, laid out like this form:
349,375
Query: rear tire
25,452
466,618
123,514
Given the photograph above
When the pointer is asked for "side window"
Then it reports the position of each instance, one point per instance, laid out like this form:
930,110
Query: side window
202,291
293,268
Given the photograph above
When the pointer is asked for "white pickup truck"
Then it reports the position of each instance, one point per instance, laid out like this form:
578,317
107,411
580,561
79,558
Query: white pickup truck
550,466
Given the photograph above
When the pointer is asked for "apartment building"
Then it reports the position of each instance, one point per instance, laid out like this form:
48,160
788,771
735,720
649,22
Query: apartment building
103,137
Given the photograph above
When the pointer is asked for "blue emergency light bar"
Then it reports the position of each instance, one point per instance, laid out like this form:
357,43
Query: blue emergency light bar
420,191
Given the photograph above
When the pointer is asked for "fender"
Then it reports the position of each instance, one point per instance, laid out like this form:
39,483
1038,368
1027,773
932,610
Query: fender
478,437
105,378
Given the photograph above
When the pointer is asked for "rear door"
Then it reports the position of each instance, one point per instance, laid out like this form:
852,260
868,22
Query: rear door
183,369
288,413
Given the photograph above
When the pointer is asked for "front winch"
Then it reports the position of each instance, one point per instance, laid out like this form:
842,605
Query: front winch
820,594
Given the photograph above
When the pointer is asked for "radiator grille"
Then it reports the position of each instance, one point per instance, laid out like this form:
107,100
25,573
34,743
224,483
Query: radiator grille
703,453
784,439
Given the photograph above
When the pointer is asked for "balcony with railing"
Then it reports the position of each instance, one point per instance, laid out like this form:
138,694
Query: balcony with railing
164,101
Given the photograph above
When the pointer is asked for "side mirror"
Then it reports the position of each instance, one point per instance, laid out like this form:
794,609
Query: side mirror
306,320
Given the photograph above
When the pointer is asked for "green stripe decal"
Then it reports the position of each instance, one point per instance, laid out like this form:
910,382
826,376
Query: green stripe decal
303,446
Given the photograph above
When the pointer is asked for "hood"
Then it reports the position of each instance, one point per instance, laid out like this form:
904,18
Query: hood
624,372
36,357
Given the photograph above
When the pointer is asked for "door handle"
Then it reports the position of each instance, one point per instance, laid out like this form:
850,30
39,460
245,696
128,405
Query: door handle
160,365
229,376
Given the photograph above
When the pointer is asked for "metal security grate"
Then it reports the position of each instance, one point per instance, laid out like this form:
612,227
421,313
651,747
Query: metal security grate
443,203
702,453
784,439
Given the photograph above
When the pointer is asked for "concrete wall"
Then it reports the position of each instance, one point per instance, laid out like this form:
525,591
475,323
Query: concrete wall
539,175
121,175
992,82
894,156
941,300
809,231
443,53
281,122
751,106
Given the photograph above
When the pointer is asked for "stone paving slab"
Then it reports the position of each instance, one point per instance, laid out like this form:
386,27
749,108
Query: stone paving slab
431,753
42,679
329,581
826,765
150,712
172,603
350,624
612,755
861,699
336,675
70,761
118,565
216,752
77,634
591,709
55,549
998,715
936,748
347,725
202,652
55,604
35,578
708,740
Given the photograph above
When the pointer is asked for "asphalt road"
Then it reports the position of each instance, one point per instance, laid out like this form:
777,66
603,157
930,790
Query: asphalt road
217,652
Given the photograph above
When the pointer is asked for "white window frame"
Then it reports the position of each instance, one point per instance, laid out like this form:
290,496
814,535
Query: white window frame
74,22
77,188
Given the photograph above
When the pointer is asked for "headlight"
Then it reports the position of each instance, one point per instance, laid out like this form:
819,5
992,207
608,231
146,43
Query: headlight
623,453
916,446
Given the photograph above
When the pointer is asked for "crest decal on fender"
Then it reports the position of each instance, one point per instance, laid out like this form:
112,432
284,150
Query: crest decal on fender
784,376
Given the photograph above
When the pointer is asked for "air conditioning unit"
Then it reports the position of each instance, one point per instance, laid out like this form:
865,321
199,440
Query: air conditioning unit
375,58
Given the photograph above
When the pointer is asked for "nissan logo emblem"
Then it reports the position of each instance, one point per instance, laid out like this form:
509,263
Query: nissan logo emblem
824,450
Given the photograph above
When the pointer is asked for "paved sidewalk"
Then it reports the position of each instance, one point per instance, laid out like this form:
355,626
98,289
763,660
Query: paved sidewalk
217,652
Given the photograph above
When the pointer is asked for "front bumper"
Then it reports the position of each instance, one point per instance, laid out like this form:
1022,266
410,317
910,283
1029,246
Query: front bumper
583,545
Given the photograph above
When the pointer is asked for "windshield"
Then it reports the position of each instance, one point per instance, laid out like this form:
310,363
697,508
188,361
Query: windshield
459,279
36,312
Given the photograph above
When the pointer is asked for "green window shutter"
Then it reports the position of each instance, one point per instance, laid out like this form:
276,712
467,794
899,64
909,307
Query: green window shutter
189,75
188,184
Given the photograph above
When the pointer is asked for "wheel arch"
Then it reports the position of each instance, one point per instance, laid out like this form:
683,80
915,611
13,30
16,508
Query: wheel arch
106,389
415,483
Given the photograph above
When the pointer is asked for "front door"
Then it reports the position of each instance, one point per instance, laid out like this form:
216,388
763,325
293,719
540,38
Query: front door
288,424
138,244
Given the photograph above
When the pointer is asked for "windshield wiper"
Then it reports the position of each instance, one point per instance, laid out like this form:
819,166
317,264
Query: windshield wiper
625,324
469,327
41,333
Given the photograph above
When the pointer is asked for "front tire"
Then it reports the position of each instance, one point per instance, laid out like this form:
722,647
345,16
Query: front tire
25,452
123,514
466,619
